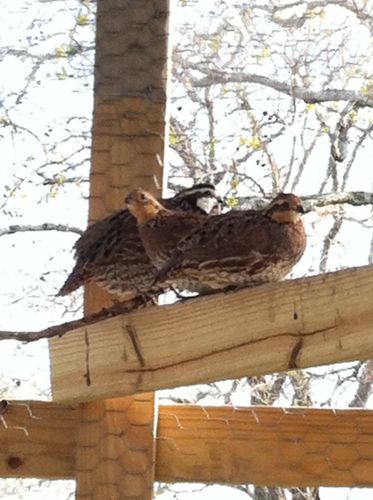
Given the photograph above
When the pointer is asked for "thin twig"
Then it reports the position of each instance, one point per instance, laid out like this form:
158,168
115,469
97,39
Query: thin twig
62,329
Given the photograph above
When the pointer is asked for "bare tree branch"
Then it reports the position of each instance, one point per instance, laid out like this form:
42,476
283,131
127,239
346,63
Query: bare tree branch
334,230
298,21
62,329
47,226
216,77
354,198
364,388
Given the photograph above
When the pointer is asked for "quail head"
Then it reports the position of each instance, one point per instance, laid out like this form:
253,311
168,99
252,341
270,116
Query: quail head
240,248
111,253
160,228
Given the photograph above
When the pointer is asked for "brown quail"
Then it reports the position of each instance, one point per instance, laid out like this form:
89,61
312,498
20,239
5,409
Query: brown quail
111,253
240,248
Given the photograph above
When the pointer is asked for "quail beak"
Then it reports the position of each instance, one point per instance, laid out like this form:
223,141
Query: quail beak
300,209
128,199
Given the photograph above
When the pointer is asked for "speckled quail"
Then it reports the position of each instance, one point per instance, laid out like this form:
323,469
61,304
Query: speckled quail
239,248
111,253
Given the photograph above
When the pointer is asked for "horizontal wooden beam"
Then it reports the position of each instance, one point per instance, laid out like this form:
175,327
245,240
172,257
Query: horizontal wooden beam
261,445
294,324
37,439
265,446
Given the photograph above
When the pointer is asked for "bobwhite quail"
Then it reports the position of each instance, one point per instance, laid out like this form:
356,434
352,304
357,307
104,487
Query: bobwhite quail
239,248
111,253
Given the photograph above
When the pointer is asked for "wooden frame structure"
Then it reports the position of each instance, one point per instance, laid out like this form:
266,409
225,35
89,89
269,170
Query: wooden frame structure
115,448
261,445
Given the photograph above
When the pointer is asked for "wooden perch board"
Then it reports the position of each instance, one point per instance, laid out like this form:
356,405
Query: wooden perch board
294,324
260,445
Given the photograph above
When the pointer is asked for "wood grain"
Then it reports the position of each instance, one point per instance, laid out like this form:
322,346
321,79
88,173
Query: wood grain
115,447
265,446
37,440
260,445
294,324
127,151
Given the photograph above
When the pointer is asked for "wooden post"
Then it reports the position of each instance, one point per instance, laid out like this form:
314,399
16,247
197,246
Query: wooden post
115,443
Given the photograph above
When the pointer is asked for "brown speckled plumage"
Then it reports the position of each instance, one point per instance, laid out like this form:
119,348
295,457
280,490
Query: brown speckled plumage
111,253
240,248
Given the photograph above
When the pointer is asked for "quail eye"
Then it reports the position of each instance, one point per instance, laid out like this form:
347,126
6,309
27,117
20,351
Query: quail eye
142,197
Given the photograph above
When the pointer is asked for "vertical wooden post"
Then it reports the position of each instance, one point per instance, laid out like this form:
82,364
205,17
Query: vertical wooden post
115,438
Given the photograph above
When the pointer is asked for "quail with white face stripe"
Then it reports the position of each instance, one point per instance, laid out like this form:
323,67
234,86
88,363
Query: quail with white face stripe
111,253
